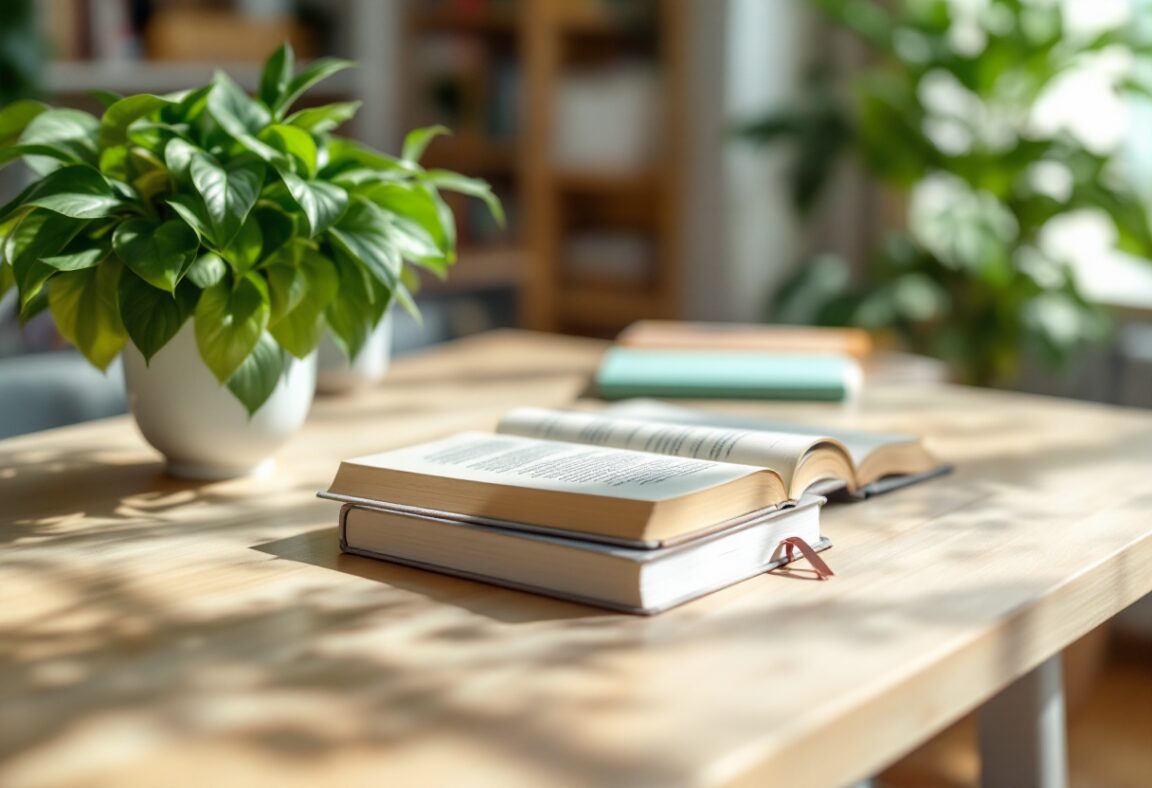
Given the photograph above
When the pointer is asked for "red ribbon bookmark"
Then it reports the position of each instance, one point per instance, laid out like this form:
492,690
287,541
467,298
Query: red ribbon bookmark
823,571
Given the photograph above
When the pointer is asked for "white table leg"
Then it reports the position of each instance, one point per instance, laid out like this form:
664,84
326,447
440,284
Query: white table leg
1022,732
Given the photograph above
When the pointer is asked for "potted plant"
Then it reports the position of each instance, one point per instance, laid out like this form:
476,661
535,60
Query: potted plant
215,237
948,117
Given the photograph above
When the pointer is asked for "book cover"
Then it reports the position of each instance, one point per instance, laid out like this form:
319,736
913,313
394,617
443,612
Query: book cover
631,372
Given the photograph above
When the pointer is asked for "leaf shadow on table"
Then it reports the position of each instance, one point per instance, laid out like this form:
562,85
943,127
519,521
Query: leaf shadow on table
304,667
95,496
320,548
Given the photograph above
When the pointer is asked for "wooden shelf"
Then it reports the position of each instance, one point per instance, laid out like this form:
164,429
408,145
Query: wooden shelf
599,182
614,308
78,76
473,154
479,268
542,41
490,21
592,19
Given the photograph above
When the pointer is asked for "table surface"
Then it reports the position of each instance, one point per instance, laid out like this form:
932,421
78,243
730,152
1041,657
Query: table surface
154,631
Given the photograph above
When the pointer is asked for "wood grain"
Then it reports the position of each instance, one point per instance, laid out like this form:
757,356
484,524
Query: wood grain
162,632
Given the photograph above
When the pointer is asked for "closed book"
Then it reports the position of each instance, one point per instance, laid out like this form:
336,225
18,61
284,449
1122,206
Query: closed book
683,335
633,580
634,372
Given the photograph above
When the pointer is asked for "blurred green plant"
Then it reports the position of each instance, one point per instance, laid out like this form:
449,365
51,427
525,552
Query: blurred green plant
21,51
256,222
946,118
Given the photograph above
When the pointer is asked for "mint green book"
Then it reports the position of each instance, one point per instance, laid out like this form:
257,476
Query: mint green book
696,374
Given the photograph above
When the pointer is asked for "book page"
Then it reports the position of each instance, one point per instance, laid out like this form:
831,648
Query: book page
563,467
860,444
779,451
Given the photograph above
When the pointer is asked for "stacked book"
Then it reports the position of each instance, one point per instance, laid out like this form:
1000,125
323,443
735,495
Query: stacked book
638,508
654,358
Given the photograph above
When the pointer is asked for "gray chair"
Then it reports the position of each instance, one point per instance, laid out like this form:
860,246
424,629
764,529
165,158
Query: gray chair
39,391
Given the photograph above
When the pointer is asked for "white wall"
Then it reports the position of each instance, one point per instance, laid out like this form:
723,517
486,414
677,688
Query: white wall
747,59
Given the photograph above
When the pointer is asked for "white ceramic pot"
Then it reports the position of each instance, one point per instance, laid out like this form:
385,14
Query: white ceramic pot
335,375
197,424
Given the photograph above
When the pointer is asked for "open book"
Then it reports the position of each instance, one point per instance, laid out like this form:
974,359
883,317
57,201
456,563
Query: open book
618,478
802,458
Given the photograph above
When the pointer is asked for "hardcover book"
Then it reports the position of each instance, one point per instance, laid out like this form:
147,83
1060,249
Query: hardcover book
628,579
734,374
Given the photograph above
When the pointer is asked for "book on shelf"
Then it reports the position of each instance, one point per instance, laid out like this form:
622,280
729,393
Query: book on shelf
627,372
629,579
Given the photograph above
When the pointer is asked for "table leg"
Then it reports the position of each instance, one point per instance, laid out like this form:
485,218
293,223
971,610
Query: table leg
1022,732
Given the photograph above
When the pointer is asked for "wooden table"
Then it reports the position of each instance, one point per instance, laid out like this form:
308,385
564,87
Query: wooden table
157,632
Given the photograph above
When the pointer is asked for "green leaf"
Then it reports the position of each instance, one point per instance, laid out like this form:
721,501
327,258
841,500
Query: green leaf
228,193
416,202
416,245
106,97
118,117
77,191
229,322
38,235
362,232
473,187
7,278
287,285
277,75
316,71
244,251
85,307
178,155
276,229
344,154
207,270
190,208
296,144
152,316
299,331
15,117
114,162
70,132
320,120
259,374
383,297
159,253
322,203
76,261
350,315
447,224
42,153
190,108
234,109
417,140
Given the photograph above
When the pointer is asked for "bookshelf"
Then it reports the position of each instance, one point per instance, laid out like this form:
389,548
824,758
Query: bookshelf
127,46
565,191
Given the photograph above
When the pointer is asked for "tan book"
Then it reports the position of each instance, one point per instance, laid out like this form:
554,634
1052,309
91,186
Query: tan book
679,335
594,491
